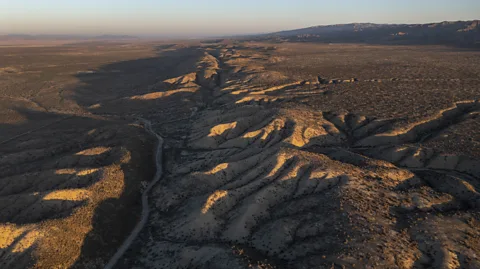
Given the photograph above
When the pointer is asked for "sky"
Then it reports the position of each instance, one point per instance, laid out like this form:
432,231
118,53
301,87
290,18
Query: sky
215,17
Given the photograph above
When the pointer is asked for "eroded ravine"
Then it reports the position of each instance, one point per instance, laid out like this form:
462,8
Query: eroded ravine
259,168
256,184
145,196
49,189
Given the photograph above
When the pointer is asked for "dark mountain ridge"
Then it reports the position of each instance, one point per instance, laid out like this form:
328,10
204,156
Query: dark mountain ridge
456,33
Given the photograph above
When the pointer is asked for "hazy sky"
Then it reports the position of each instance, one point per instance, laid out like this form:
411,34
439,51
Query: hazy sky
216,17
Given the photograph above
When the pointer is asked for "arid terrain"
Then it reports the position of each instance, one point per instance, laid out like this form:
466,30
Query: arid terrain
262,155
464,34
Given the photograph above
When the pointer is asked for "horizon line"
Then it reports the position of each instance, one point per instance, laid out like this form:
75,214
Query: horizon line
146,36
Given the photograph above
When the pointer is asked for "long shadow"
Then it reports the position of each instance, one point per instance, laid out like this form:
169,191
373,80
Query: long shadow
134,77
51,176
51,163
134,88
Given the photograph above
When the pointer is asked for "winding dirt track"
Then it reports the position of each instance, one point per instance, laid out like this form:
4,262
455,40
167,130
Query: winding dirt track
145,207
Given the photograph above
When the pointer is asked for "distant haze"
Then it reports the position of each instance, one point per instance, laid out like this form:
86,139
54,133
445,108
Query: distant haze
195,18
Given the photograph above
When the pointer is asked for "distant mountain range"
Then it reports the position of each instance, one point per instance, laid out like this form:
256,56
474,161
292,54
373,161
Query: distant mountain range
458,33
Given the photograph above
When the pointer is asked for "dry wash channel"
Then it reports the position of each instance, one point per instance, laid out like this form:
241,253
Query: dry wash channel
262,181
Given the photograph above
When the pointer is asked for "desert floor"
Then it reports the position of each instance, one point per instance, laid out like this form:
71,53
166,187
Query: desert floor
273,156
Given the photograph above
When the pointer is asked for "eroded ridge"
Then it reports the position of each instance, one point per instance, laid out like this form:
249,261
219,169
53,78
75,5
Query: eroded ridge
258,184
50,191
253,175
